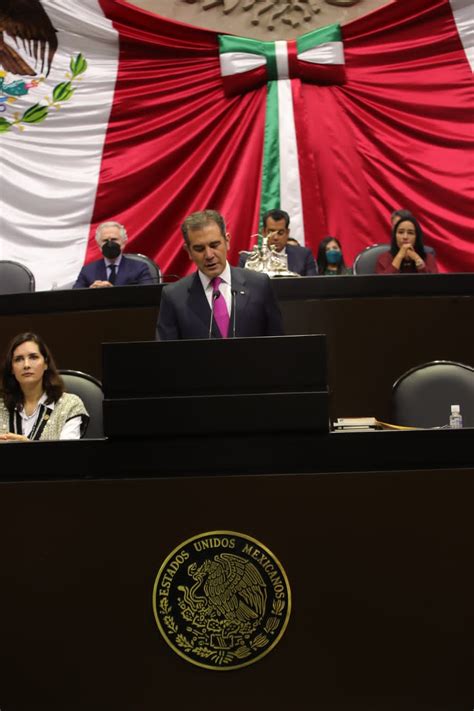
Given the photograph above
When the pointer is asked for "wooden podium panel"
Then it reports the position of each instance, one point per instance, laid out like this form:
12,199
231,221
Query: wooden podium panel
379,564
204,386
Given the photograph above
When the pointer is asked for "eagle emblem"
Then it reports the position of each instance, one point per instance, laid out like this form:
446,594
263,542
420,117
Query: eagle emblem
221,600
28,22
28,25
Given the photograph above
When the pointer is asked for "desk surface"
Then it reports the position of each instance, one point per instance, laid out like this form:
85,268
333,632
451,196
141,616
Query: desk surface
345,287
281,453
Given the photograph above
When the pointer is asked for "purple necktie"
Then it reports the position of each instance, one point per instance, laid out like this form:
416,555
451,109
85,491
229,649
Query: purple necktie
221,315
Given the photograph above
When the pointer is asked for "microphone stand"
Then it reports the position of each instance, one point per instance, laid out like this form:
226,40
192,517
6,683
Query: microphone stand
215,295
234,309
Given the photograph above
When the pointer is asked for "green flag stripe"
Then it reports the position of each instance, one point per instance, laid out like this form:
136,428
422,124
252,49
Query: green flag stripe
270,197
228,43
331,33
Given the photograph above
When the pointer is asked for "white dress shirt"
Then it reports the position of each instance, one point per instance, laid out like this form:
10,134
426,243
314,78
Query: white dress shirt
71,429
224,288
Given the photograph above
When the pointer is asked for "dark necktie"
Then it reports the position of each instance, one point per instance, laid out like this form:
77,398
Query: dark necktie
113,273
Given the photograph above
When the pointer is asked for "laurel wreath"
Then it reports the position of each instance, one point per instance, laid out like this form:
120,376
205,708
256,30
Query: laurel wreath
217,656
61,92
221,657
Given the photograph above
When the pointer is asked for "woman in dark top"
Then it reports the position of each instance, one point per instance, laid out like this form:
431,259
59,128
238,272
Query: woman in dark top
407,253
330,258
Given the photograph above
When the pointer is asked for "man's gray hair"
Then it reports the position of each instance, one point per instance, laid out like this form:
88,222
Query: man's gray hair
199,220
123,231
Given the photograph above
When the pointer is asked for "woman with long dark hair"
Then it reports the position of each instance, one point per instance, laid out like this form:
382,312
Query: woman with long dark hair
407,254
33,404
330,258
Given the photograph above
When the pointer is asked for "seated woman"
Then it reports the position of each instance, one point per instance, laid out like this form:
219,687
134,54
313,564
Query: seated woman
33,404
330,259
407,254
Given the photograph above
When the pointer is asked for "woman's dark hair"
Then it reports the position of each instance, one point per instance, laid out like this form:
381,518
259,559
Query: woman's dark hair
10,389
322,259
419,246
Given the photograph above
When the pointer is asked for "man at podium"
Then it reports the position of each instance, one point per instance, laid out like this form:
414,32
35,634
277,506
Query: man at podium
217,301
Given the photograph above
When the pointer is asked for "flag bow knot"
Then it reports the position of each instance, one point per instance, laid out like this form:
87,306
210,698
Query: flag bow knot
316,57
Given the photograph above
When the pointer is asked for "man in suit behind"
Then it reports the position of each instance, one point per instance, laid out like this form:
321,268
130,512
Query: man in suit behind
115,269
276,229
218,300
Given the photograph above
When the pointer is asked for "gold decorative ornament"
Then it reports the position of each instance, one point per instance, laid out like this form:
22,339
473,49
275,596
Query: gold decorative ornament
270,12
221,600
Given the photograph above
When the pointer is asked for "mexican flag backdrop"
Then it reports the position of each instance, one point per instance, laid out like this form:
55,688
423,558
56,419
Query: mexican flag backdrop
118,114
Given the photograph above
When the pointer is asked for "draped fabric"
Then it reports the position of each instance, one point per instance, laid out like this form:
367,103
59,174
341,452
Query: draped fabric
175,143
150,136
398,133
50,162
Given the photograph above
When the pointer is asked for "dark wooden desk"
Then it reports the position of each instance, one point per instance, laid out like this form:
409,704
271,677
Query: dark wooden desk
375,532
377,326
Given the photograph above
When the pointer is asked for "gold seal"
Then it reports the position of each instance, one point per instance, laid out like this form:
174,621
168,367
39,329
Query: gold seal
221,600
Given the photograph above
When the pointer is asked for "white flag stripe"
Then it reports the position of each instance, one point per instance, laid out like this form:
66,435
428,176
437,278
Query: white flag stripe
281,56
290,186
327,53
240,62
463,12
50,170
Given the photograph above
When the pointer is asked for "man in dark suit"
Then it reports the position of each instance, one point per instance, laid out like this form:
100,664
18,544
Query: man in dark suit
276,229
218,300
115,269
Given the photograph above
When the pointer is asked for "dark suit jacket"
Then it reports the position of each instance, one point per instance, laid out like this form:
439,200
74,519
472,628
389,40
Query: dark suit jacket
129,272
185,310
300,260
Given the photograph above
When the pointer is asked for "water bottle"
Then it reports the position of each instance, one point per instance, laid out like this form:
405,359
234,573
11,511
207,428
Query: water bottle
455,418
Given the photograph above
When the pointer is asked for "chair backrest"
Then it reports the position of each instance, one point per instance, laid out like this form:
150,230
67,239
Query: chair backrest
89,389
366,261
15,278
153,268
422,397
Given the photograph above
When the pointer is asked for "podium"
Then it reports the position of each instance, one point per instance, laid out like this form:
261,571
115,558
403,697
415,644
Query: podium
216,386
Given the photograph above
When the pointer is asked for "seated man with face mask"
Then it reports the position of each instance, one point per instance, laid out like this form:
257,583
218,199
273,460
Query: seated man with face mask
114,269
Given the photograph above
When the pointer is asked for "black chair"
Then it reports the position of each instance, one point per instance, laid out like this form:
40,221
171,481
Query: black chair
422,397
15,278
89,389
366,261
153,268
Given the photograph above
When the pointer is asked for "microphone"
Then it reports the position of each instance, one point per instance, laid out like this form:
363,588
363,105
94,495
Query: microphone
234,308
215,295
